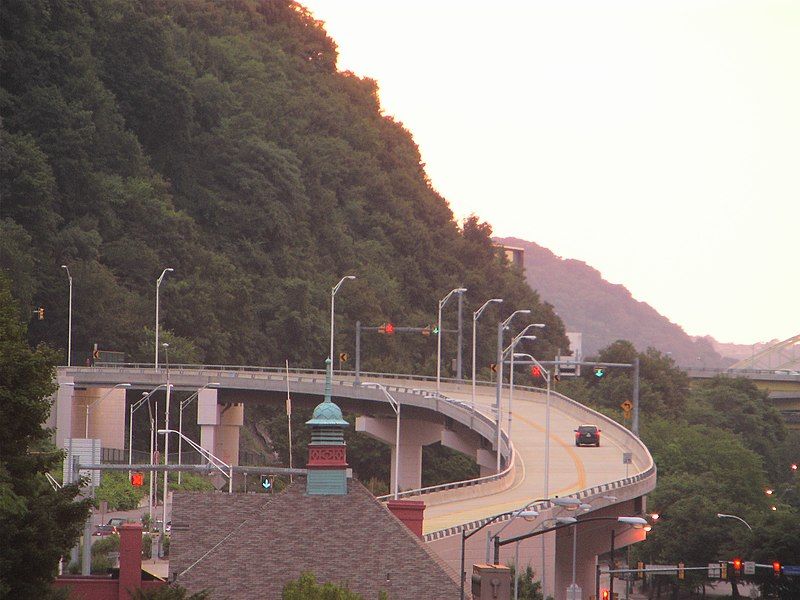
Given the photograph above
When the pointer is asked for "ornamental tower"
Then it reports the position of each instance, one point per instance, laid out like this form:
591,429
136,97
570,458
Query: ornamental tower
327,452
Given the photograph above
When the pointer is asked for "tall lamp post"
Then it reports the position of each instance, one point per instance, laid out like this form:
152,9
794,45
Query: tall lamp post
396,407
166,454
510,351
158,286
69,334
475,316
442,302
99,400
335,289
184,404
501,327
133,408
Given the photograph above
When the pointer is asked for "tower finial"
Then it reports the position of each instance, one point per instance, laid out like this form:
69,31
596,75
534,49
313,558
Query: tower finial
328,379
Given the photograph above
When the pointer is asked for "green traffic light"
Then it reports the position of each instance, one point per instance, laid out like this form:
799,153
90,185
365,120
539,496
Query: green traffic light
435,330
599,372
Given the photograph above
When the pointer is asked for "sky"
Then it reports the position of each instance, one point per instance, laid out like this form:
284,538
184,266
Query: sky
658,141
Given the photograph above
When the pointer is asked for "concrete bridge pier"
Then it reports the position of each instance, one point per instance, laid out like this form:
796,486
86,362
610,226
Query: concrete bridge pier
107,414
414,434
219,426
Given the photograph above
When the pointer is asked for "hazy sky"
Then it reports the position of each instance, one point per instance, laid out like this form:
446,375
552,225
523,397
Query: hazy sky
657,141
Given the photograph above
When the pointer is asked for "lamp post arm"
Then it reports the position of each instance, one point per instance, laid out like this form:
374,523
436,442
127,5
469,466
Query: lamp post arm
203,451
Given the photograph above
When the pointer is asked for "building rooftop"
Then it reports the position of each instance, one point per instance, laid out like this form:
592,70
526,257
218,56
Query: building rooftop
251,545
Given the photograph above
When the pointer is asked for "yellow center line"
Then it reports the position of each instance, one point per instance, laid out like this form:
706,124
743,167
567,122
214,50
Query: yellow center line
581,482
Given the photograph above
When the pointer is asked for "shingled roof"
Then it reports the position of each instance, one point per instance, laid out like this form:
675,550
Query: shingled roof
243,546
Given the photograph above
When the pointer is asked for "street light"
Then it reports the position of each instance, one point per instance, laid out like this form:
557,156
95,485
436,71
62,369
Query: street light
335,289
166,453
69,334
501,327
88,406
133,408
210,457
510,350
442,302
184,404
158,285
724,516
475,316
396,406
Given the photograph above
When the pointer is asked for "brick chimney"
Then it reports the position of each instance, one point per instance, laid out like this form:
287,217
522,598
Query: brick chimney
130,559
410,512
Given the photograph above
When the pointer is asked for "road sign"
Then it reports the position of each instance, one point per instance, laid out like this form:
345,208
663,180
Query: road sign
663,569
714,570
96,353
749,567
344,357
791,570
626,406
493,367
627,458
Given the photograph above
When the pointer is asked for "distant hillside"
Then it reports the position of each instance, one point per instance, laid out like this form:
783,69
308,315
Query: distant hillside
605,312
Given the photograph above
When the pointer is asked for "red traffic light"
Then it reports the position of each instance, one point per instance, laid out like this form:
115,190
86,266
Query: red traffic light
536,371
387,328
137,479
604,595
737,565
776,568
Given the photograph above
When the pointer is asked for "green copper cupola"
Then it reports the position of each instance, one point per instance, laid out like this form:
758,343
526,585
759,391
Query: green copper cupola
327,452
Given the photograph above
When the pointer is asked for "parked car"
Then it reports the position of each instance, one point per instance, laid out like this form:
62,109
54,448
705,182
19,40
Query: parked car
116,521
104,530
587,435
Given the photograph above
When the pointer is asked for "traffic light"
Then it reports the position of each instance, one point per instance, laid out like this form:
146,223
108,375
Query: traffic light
737,566
265,482
605,595
681,570
640,570
387,328
137,479
426,330
40,313
435,329
723,569
536,371
599,372
776,568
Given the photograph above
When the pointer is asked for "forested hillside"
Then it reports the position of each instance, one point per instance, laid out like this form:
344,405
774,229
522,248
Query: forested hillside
218,139
605,312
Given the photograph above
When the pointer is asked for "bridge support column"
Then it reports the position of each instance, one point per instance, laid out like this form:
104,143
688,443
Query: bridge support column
219,426
61,415
414,434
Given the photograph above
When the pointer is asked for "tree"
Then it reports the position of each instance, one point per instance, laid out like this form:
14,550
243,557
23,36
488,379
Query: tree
307,588
39,524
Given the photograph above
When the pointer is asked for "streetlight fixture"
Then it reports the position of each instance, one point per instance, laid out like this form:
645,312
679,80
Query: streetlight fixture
442,302
396,407
158,285
724,516
335,289
475,316
211,458
69,334
510,350
501,327
525,512
133,408
99,400
184,404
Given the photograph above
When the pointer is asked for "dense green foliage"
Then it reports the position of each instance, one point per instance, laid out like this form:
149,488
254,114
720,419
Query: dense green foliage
307,588
718,445
37,523
116,489
217,138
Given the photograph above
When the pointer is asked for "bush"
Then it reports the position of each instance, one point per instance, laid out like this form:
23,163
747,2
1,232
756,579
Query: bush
103,546
116,489
191,482
147,546
307,588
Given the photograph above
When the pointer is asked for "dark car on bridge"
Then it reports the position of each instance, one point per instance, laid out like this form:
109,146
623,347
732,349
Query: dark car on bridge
587,435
